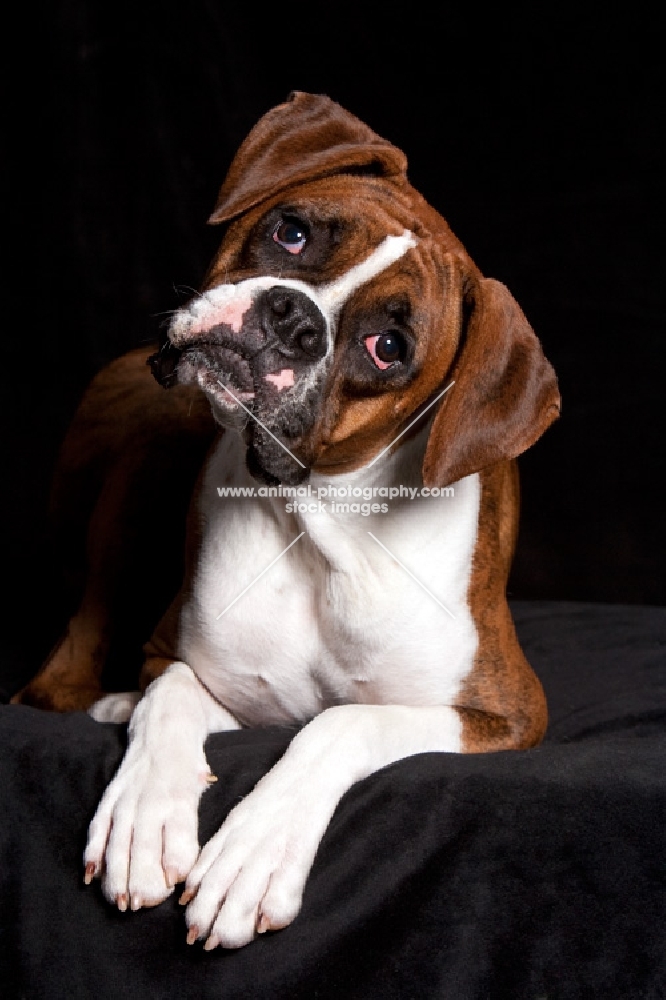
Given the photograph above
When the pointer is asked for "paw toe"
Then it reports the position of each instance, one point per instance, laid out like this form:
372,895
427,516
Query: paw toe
282,901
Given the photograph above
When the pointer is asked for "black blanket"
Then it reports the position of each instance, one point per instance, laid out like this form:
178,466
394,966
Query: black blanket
538,874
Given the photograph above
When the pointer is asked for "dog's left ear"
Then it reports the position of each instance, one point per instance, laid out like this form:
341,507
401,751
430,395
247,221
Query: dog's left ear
505,393
307,137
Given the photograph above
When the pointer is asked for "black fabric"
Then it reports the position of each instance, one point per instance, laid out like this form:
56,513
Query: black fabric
538,874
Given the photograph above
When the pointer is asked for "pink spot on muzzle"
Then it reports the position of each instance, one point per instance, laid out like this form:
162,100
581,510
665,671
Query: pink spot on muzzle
283,379
227,314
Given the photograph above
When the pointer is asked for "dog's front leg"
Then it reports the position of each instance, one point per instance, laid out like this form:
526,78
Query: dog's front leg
144,836
249,877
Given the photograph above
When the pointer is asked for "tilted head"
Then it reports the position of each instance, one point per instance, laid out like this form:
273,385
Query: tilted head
340,304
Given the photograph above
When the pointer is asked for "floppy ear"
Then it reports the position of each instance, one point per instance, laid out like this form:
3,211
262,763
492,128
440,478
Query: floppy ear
505,393
307,137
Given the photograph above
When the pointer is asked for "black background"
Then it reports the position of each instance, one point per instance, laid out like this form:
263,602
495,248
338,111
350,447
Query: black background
535,132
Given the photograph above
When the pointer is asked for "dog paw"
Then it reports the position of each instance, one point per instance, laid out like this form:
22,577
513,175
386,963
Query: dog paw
250,876
115,707
143,839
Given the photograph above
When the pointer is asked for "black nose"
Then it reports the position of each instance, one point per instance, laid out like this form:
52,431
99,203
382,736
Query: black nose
296,321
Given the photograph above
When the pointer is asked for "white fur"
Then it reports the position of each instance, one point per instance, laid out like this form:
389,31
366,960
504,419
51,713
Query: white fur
115,707
351,626
336,635
149,811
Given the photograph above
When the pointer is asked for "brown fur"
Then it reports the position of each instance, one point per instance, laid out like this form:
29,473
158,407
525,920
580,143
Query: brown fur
502,704
123,482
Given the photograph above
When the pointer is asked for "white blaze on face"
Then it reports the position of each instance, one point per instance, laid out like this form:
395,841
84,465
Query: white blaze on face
331,298
228,304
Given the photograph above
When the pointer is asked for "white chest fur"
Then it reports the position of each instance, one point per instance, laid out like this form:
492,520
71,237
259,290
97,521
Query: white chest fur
336,619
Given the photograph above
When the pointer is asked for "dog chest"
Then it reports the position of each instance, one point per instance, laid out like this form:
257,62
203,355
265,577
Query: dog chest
301,603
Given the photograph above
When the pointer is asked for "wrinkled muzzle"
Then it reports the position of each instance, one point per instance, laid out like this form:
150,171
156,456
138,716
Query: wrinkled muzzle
260,355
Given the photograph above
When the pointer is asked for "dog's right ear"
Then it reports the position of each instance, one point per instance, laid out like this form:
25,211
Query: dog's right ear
307,137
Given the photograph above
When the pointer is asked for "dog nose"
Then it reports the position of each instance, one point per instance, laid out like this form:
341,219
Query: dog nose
297,322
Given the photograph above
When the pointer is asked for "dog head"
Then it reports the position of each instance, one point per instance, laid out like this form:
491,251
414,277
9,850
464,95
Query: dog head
340,304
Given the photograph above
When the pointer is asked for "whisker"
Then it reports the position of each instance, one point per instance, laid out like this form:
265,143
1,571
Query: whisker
181,289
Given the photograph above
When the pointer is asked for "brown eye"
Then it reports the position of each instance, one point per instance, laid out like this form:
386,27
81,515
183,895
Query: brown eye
291,234
386,349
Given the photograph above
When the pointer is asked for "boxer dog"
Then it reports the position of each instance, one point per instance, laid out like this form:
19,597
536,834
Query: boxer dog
348,348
